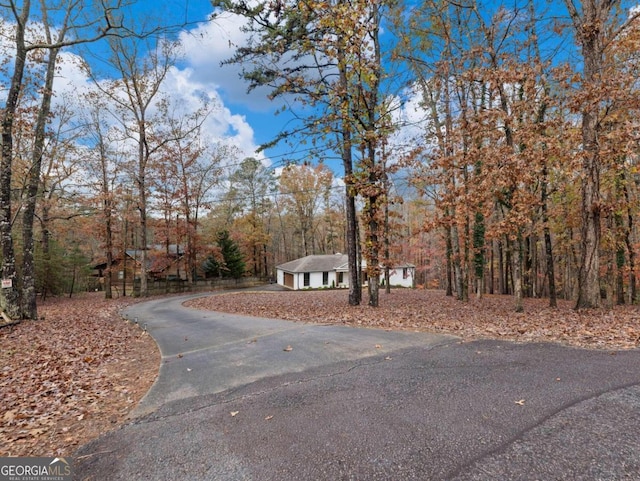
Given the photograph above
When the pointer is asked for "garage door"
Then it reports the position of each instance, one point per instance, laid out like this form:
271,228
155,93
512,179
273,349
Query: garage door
288,280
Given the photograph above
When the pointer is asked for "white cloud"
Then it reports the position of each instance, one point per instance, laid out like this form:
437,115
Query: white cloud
70,77
210,44
410,117
185,89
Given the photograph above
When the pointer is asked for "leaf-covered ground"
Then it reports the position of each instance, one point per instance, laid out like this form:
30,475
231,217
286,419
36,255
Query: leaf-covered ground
429,310
71,376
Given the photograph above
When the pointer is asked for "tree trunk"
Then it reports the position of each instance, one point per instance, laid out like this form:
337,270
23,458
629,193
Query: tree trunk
449,263
143,157
387,241
467,270
9,294
46,252
517,273
588,275
144,289
492,269
107,210
265,260
124,259
478,252
508,268
373,257
73,281
548,247
355,288
457,268
620,298
374,290
535,268
502,282
630,249
29,306
589,25
108,291
527,290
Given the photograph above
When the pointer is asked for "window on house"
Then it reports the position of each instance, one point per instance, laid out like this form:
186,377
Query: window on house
325,278
340,277
405,273
307,279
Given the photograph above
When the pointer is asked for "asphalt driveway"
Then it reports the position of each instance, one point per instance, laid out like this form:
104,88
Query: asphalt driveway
247,398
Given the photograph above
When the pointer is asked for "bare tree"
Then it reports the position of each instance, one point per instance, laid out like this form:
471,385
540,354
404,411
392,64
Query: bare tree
142,66
82,24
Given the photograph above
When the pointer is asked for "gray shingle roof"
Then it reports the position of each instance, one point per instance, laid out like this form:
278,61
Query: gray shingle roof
316,263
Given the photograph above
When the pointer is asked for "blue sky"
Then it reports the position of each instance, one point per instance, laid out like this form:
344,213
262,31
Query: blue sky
246,120
206,44
249,119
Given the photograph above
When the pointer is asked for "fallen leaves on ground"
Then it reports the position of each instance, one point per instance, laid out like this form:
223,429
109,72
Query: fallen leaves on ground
71,376
493,316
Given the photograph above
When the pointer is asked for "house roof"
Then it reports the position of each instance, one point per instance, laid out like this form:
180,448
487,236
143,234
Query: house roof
157,258
326,263
315,263
403,265
344,267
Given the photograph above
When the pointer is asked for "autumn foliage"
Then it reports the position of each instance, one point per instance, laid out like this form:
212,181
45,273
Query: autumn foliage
475,143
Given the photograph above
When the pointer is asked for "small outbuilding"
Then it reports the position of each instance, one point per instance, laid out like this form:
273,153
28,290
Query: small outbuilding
330,271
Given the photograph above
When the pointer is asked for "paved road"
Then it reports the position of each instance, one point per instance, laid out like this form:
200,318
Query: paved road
232,402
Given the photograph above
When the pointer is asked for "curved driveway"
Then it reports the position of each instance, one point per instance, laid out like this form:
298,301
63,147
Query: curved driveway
248,398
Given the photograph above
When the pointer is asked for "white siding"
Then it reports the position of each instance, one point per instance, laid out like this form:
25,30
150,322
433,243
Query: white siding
315,280
400,277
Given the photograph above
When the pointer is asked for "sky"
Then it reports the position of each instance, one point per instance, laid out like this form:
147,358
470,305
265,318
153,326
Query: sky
241,119
251,116
244,119
248,119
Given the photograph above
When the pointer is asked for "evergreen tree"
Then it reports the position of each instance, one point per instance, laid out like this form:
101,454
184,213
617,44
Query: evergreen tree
232,265
211,267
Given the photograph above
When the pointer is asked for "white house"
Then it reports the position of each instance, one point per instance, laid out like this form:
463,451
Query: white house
402,275
318,271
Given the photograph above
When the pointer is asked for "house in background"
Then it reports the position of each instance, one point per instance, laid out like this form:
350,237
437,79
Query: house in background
402,275
318,271
163,263
314,272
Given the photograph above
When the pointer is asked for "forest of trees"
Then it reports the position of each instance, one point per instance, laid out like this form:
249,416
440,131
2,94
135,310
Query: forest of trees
494,146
